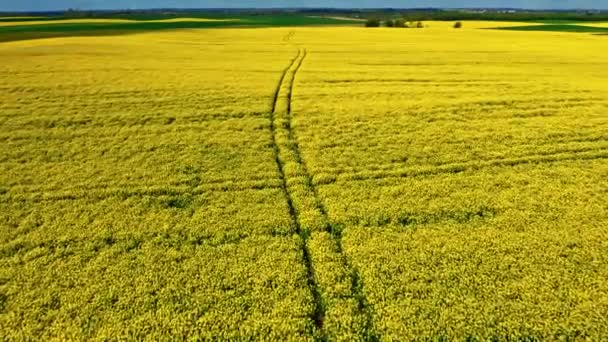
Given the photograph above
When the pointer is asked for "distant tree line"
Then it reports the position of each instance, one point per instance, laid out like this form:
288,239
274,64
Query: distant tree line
398,23
416,15
506,15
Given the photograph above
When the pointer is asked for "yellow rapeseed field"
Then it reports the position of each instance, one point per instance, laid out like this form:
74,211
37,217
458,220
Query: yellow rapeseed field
305,184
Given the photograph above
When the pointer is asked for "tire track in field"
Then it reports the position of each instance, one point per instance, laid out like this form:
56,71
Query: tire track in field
318,313
275,98
324,255
334,231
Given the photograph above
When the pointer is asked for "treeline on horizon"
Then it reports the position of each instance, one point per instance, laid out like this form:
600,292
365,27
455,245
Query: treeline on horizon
407,14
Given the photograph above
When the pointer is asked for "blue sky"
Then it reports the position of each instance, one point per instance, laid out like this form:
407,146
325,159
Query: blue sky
45,5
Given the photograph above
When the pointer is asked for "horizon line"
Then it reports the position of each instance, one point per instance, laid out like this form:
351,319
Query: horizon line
304,8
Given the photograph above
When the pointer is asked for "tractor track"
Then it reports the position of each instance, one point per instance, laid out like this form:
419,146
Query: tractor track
318,313
292,148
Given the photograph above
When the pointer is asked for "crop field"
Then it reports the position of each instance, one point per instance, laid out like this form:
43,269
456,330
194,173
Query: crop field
15,29
305,183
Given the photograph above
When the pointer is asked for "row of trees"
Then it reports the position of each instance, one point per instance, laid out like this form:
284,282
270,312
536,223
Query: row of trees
393,23
400,23
480,14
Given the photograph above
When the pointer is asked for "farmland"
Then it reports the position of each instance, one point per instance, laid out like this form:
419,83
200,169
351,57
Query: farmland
305,183
14,29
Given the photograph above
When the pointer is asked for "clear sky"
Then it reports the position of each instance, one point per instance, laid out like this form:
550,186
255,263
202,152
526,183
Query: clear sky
46,5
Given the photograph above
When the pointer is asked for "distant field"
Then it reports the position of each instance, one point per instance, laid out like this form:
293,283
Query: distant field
13,30
25,28
107,21
19,18
304,183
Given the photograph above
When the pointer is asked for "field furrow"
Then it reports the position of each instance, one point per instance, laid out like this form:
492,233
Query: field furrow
464,167
342,311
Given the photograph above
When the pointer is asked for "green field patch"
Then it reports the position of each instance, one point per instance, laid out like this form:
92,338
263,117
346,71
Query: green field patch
557,28
22,19
564,21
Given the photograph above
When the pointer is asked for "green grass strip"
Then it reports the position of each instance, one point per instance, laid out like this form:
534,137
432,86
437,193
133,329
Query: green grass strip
557,28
